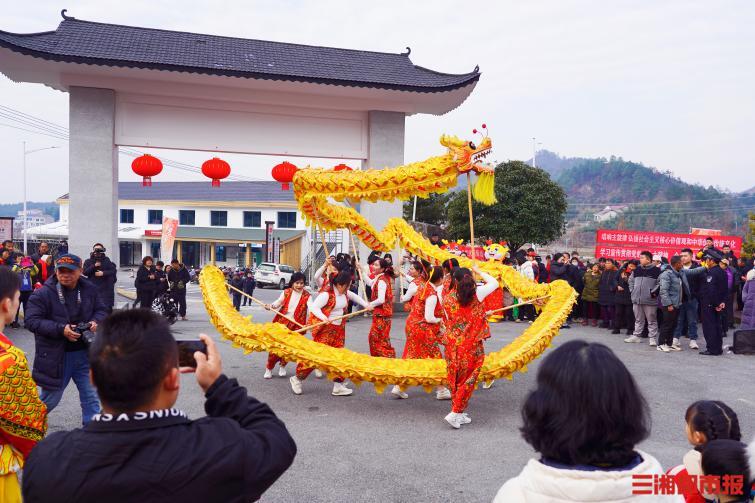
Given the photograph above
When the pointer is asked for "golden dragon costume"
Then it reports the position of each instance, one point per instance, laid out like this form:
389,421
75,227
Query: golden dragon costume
313,189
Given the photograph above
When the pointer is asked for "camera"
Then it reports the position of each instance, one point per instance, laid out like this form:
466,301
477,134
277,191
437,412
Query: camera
85,329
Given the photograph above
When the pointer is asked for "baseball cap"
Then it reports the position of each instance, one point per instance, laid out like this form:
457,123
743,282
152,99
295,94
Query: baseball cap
68,261
657,258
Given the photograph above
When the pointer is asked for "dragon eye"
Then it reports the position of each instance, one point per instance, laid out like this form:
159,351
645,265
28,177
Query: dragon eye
472,146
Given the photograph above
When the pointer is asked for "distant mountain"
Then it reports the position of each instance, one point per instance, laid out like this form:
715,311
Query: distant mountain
657,200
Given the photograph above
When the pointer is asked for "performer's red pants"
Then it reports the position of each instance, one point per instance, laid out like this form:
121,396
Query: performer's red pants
463,361
332,335
272,360
380,337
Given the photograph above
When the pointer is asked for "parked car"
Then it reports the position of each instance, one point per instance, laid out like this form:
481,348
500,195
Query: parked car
273,274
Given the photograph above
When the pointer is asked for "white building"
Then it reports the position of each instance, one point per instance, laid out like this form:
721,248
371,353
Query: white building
609,213
225,225
33,218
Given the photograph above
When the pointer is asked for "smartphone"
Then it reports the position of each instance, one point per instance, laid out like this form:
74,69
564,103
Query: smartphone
186,350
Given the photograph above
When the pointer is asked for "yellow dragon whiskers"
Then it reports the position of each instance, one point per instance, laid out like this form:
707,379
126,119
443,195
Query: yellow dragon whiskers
484,189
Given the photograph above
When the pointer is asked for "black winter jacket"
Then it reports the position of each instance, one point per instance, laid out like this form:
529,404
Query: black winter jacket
606,289
624,296
47,317
234,454
178,278
105,283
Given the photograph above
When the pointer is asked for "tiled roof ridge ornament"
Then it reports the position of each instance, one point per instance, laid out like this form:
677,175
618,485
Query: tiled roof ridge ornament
408,52
63,14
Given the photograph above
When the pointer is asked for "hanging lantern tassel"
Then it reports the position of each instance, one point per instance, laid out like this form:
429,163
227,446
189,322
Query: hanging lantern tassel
216,169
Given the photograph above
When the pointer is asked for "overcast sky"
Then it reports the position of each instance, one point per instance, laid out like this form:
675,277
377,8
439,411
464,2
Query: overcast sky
669,84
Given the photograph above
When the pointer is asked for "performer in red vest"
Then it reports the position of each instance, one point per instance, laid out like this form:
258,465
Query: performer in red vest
327,306
293,303
423,327
449,266
417,277
466,328
381,299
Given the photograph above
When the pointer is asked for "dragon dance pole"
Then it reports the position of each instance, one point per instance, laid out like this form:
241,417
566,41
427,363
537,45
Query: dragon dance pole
362,292
400,262
471,218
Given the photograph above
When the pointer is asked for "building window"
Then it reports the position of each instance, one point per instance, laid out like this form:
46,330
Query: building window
220,253
252,219
219,218
127,216
155,217
186,217
154,247
286,219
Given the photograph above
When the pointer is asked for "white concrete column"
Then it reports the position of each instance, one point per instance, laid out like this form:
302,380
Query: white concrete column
385,150
92,172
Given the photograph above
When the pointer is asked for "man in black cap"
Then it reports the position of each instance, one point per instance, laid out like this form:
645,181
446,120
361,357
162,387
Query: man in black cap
712,294
63,315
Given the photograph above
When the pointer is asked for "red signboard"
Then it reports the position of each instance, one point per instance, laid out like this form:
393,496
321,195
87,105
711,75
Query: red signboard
153,232
622,244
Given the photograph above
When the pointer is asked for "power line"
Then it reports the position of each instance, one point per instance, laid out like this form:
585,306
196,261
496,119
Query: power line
725,198
691,212
35,132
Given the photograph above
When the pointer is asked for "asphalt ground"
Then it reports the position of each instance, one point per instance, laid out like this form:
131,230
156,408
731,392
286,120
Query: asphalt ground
369,447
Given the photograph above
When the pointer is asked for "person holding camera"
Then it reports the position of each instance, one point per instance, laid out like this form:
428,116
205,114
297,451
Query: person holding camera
101,271
63,316
141,448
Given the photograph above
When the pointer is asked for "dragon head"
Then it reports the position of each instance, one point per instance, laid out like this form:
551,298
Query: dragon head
496,251
467,157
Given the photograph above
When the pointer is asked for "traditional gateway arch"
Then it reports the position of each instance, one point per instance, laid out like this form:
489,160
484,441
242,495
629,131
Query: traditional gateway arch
147,87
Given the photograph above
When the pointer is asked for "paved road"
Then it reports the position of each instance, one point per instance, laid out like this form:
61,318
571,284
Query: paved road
368,447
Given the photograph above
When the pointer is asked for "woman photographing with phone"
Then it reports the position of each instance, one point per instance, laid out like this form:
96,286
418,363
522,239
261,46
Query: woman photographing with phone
328,307
466,329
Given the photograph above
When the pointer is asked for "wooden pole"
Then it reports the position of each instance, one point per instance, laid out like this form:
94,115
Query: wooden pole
517,305
262,304
471,217
362,291
355,313
400,263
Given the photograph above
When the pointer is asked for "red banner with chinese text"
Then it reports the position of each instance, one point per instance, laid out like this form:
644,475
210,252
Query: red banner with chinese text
623,244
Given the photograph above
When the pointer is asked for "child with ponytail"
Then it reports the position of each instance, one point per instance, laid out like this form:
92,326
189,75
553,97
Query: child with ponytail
707,420
466,329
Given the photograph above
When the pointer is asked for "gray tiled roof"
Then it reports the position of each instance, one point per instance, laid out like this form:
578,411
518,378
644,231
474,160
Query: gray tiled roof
127,46
202,191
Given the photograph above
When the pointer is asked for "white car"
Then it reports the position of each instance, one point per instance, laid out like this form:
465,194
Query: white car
273,274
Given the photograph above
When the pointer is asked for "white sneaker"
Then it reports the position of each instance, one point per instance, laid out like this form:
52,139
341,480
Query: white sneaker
675,346
396,391
663,348
693,344
339,389
268,374
282,372
318,373
465,419
652,342
632,338
295,385
442,393
486,385
454,420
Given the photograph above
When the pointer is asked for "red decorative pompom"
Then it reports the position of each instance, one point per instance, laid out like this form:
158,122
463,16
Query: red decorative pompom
484,126
474,131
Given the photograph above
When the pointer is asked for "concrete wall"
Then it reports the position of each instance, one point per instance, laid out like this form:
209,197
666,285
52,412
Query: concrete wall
386,150
93,171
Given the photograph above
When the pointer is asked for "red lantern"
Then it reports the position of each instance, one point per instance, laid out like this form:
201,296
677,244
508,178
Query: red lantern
147,166
217,169
343,167
284,173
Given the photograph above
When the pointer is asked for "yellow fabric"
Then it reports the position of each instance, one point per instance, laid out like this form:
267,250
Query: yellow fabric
10,489
11,461
312,188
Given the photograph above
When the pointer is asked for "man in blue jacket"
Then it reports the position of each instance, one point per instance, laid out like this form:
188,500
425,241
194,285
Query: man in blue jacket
60,355
141,448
